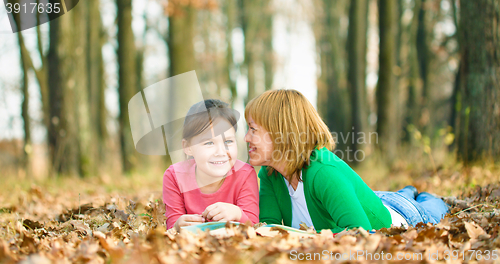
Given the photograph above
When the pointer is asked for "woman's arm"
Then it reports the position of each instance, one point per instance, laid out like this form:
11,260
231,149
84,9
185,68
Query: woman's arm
338,196
268,204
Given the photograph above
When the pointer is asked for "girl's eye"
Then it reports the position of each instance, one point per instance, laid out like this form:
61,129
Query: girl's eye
209,143
229,141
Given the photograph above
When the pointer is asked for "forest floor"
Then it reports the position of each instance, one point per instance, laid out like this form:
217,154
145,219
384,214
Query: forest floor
120,220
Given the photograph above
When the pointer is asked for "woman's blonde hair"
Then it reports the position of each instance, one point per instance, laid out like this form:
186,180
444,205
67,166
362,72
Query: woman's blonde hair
294,125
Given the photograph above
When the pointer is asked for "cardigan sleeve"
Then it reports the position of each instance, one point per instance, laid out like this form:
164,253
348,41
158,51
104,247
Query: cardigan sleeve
268,203
338,196
248,199
172,197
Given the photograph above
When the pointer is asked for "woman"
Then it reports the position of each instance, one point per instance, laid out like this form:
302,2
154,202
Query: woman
302,181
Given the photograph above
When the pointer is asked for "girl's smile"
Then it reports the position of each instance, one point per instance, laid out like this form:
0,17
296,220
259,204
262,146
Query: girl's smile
214,151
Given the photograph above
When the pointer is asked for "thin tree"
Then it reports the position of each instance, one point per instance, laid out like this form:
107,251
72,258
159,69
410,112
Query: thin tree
333,97
356,49
25,67
96,84
231,14
126,80
386,116
424,57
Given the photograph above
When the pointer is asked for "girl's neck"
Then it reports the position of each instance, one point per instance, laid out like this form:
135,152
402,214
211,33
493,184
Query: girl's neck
206,183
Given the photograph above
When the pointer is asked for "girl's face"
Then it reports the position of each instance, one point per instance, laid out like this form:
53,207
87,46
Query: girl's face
260,144
214,154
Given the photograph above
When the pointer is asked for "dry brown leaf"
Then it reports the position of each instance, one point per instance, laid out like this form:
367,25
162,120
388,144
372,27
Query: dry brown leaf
474,230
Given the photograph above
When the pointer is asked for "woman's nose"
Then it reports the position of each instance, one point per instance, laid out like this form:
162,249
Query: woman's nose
247,136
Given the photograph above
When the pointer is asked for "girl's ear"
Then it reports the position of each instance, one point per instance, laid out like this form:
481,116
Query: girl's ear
187,148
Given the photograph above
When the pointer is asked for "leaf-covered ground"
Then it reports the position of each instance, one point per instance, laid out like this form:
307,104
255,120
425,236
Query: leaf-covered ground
96,226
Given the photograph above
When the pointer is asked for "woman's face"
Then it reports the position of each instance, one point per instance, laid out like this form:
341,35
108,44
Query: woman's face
214,155
260,144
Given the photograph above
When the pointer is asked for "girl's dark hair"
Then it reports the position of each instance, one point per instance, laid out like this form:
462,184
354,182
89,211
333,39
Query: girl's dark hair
202,114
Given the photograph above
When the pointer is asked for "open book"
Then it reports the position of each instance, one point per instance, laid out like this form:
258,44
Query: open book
219,229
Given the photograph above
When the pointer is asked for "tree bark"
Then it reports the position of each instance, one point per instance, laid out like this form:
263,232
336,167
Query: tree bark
95,79
414,81
251,24
25,62
479,137
69,128
356,49
126,80
231,13
386,116
424,56
267,39
333,97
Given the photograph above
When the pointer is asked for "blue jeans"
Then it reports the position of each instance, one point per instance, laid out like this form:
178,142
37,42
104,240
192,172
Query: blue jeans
424,208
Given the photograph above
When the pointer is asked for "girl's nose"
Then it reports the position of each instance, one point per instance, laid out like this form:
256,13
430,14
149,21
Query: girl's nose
221,149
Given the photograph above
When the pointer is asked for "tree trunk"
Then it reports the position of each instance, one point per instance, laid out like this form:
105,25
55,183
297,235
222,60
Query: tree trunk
25,57
356,49
180,41
126,80
230,10
41,75
81,90
250,24
267,38
386,116
69,129
333,97
424,34
414,81
480,72
181,33
95,79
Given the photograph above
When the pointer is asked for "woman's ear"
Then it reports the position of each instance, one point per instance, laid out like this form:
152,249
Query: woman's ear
187,148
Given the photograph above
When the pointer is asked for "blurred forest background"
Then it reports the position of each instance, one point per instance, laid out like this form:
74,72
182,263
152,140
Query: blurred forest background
423,74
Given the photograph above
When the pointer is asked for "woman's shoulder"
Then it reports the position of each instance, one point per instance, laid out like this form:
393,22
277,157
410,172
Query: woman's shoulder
324,157
324,161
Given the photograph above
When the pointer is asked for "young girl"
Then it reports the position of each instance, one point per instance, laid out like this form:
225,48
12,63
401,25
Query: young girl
303,181
212,185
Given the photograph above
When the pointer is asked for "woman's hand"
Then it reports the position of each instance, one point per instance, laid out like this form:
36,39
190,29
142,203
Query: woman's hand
222,212
187,220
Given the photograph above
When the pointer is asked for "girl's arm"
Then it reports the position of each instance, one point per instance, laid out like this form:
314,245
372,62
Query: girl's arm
173,199
269,209
248,199
339,198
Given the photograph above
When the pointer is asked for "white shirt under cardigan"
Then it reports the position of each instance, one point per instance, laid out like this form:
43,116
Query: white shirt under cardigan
300,214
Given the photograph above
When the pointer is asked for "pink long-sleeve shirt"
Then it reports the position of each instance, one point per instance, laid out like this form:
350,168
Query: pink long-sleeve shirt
182,195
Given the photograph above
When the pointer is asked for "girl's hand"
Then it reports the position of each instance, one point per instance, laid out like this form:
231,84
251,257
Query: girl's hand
187,220
222,212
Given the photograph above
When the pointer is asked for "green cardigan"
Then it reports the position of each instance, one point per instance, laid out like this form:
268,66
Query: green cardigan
336,197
